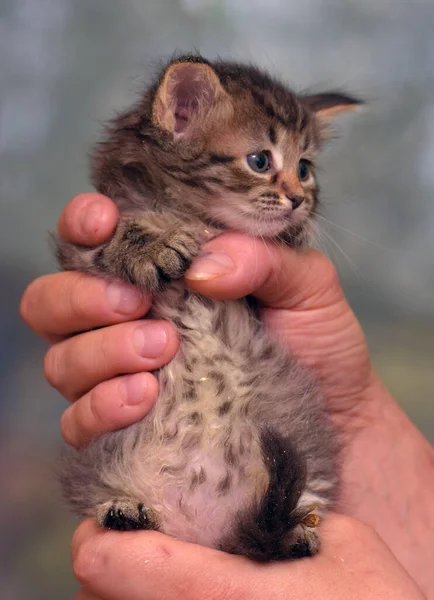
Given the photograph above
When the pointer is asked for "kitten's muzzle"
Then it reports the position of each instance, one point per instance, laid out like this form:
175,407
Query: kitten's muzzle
295,201
294,198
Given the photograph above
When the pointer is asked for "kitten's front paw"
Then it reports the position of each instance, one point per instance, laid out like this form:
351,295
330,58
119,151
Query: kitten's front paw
163,260
173,254
125,515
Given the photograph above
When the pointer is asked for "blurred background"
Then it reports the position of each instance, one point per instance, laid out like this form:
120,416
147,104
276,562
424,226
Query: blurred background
66,65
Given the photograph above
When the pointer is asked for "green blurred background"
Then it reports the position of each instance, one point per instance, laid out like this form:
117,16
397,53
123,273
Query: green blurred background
65,65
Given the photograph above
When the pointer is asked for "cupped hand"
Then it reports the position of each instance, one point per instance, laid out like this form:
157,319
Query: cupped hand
303,305
101,353
300,291
354,563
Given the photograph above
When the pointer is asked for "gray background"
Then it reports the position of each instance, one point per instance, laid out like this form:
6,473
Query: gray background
65,65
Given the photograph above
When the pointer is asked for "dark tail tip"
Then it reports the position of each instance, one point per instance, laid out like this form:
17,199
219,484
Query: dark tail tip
264,531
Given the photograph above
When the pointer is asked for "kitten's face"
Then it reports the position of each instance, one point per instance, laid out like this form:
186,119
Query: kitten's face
230,144
267,185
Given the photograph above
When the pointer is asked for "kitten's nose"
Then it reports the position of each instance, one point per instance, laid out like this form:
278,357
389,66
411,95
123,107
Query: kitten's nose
295,201
290,188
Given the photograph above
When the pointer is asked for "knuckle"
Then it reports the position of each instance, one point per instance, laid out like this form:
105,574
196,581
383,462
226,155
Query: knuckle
365,532
97,408
65,427
69,426
78,303
350,529
115,347
111,345
28,301
328,270
52,368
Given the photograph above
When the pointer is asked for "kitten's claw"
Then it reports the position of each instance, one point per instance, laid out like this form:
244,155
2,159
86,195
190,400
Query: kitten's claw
311,519
173,254
164,259
125,515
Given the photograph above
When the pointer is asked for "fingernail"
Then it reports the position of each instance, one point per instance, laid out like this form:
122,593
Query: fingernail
150,340
210,266
123,298
90,218
132,388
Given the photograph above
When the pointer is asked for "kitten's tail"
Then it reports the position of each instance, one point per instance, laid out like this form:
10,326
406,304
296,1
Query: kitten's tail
265,531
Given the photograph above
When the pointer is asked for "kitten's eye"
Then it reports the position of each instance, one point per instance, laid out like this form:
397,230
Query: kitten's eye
260,161
304,168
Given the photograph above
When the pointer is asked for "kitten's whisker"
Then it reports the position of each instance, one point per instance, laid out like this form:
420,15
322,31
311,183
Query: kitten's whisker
318,240
344,229
354,267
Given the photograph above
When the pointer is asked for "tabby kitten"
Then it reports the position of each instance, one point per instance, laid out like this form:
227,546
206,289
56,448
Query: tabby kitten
237,453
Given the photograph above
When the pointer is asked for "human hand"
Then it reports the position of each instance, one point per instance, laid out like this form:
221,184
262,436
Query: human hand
104,371
302,298
387,476
354,563
387,466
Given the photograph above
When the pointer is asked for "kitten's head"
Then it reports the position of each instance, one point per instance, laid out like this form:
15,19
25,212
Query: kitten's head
234,145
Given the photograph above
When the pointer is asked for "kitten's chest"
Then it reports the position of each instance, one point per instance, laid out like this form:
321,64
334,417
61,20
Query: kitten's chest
207,390
215,362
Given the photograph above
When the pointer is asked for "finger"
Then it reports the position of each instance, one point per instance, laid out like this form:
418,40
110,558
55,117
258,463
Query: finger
313,318
89,219
234,265
58,305
76,365
151,566
109,406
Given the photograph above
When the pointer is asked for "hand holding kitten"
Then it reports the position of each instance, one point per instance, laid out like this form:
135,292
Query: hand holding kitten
373,425
354,564
301,294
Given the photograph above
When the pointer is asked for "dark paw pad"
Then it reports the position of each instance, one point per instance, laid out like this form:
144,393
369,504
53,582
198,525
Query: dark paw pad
124,516
301,549
307,542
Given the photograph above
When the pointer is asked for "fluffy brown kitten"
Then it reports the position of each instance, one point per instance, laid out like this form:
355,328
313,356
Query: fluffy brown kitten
237,453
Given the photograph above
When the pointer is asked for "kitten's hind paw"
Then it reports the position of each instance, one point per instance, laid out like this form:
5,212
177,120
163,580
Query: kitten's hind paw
308,542
125,515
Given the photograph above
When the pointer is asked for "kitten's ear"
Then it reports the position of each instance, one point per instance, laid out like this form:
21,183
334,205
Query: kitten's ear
329,104
187,93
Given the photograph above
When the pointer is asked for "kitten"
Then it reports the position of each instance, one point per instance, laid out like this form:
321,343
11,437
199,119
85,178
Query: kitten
237,453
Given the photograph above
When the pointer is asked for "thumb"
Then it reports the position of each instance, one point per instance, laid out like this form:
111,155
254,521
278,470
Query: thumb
233,265
151,566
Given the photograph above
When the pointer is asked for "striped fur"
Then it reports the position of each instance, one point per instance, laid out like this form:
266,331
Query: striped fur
237,451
